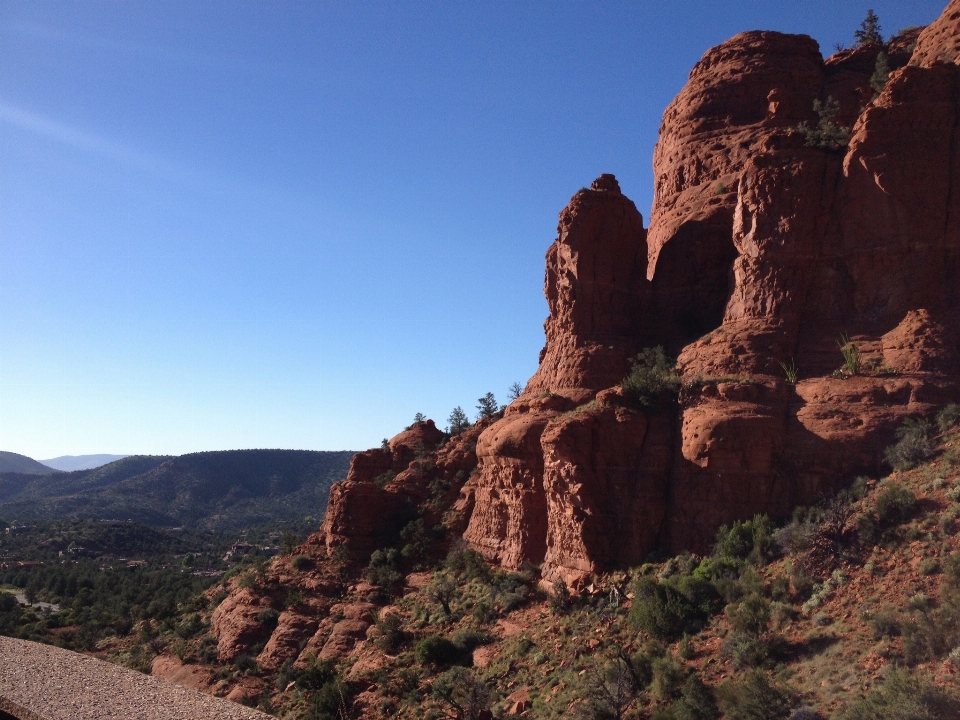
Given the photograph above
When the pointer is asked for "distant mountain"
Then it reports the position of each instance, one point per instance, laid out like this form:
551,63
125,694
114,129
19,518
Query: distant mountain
15,463
69,463
215,490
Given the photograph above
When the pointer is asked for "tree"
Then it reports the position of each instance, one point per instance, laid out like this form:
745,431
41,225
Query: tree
610,691
458,421
827,135
869,32
442,590
515,391
881,73
487,405
463,692
419,418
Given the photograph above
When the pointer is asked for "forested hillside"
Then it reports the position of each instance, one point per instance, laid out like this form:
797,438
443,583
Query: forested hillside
214,490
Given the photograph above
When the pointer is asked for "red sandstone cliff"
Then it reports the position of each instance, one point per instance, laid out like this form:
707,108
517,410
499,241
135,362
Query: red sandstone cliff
761,251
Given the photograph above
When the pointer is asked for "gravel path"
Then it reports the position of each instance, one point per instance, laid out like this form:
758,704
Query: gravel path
42,682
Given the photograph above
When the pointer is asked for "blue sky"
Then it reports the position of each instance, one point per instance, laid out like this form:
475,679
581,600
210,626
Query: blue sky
297,224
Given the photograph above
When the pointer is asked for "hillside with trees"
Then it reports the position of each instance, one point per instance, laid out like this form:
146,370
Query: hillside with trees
214,490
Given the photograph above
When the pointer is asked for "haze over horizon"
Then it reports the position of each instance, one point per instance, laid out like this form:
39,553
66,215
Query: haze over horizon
292,225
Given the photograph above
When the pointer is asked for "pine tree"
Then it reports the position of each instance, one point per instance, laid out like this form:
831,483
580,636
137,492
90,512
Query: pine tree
881,73
487,405
869,32
458,421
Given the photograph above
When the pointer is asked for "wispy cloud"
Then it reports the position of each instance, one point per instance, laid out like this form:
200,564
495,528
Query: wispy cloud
165,53
90,142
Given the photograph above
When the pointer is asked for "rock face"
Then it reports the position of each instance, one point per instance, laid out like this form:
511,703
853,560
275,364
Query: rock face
766,251
762,253
379,496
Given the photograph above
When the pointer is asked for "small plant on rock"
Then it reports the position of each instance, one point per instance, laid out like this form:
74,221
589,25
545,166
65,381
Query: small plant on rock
652,377
827,135
790,371
851,355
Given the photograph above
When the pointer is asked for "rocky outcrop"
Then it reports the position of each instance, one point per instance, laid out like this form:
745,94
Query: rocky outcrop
940,41
762,253
370,507
236,624
596,287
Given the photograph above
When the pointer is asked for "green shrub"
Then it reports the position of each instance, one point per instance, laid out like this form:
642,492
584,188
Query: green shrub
696,702
748,540
268,617
881,74
751,616
668,609
437,650
913,445
466,563
316,675
652,377
330,702
746,651
383,572
642,664
756,698
246,664
895,504
392,635
903,698
300,562
948,417
668,676
384,479
560,599
469,638
884,624
715,568
827,135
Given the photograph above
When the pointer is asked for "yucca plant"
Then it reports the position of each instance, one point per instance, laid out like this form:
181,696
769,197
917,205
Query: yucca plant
851,355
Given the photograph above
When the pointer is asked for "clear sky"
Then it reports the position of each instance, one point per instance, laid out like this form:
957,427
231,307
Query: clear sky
297,224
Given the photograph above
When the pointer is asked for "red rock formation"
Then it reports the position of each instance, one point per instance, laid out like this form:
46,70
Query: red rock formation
383,486
940,41
236,625
595,286
762,252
